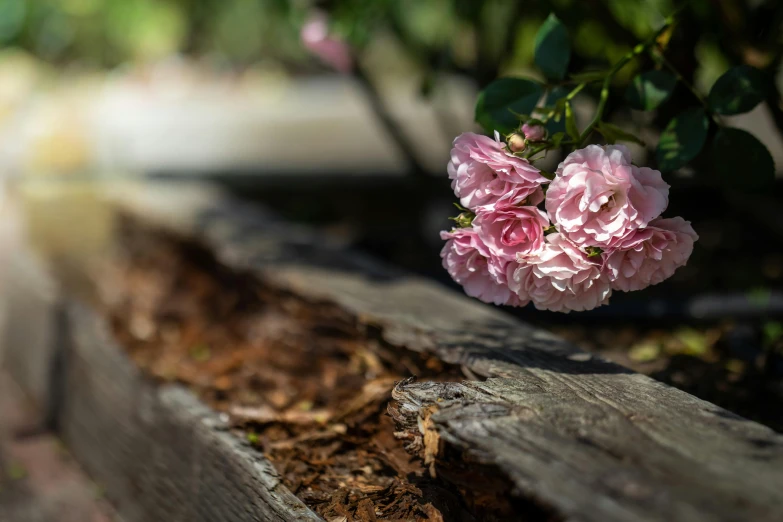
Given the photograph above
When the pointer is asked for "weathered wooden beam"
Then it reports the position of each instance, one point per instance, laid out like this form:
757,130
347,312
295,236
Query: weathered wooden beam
591,439
159,452
636,454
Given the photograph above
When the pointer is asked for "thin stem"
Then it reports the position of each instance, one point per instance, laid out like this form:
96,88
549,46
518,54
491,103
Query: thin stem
599,111
532,152
680,78
604,97
576,91
548,117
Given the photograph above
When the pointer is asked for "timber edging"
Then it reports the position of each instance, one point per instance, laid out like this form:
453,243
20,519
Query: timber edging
589,438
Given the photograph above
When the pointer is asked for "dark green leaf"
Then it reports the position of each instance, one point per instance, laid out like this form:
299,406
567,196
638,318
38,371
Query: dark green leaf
741,160
738,90
553,48
613,133
682,139
570,122
556,98
556,139
499,105
650,89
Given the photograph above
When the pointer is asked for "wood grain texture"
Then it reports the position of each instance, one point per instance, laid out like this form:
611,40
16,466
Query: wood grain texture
596,457
590,438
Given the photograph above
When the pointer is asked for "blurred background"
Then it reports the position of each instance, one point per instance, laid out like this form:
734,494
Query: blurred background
340,114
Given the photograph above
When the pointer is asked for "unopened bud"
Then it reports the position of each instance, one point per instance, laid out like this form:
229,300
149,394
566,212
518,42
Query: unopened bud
534,132
464,220
516,143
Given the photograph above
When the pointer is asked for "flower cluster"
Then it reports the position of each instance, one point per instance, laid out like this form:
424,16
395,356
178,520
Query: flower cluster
600,231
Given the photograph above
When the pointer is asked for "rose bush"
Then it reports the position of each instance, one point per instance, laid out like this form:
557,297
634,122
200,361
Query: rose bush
601,230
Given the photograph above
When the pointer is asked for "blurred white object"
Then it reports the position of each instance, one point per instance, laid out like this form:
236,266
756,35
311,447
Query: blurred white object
181,117
306,125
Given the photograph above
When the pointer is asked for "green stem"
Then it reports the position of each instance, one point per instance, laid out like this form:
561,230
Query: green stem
604,97
666,63
599,111
532,152
576,91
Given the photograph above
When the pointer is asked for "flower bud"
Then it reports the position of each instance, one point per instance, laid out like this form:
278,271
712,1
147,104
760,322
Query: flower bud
516,143
464,220
534,132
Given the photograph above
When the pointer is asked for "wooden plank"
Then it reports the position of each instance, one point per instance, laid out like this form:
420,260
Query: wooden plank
591,439
31,313
160,453
632,454
157,451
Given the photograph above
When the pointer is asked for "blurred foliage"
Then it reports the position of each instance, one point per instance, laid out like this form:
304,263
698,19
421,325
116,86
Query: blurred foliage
110,32
480,39
486,38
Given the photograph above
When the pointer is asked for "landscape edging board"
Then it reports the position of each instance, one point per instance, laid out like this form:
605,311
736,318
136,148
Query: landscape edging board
591,439
157,449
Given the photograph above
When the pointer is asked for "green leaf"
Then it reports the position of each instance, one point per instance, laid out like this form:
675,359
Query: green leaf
739,90
556,139
650,89
570,122
741,160
553,48
499,104
613,133
682,139
556,98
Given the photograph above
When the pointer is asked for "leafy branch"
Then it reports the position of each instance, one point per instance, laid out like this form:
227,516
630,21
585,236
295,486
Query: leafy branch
508,103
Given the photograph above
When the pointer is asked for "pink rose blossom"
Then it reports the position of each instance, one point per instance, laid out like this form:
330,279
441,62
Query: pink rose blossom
315,37
467,261
483,173
511,231
651,254
598,198
560,278
534,132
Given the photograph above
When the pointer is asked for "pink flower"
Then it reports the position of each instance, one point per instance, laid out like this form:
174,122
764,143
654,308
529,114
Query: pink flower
483,173
334,52
651,254
510,231
560,278
534,132
598,198
467,261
